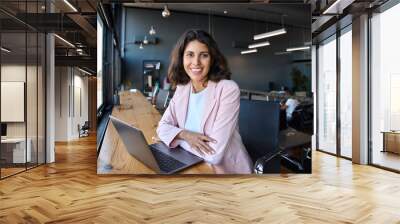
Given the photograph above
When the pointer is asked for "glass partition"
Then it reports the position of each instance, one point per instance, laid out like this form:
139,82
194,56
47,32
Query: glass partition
13,95
22,88
31,98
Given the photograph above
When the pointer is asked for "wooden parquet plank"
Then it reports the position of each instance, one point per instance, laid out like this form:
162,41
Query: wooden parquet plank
70,191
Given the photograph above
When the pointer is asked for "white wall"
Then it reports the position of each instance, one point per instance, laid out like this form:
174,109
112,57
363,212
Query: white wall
71,94
12,73
61,103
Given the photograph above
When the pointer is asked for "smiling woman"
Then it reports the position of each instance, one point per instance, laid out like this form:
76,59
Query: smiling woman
196,62
202,117
201,98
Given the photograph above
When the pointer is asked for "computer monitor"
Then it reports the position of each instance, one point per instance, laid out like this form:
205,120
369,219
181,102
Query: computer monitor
3,129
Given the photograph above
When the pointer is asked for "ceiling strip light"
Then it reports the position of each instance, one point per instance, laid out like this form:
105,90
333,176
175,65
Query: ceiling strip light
298,48
5,49
262,44
70,5
337,7
269,34
249,51
65,41
84,71
283,53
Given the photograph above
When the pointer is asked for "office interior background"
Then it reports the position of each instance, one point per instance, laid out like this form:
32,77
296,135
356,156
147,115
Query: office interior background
332,116
47,81
348,184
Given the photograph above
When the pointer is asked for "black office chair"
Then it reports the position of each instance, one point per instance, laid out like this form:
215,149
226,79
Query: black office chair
283,124
259,129
84,129
162,100
154,94
259,124
302,118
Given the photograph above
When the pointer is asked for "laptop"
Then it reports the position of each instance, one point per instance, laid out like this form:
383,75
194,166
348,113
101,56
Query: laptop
158,156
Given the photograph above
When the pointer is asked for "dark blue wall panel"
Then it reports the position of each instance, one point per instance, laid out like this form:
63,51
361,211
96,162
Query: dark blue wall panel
251,71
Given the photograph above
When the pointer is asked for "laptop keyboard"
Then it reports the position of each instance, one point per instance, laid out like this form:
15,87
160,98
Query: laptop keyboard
166,162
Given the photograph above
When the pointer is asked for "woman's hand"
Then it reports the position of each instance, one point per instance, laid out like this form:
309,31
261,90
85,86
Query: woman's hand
156,139
197,141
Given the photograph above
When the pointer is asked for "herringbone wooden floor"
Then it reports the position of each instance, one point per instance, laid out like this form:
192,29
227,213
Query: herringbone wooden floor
69,191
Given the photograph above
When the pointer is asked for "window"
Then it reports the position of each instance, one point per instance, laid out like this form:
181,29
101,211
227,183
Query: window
346,92
99,62
385,84
327,96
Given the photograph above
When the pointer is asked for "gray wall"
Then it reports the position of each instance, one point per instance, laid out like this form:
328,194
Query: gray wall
251,71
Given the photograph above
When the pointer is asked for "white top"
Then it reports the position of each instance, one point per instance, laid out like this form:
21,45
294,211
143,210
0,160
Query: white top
291,106
195,110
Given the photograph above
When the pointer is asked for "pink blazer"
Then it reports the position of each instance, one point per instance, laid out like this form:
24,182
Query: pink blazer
220,122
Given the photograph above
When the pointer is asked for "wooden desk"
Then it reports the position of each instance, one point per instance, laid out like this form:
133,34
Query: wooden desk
114,158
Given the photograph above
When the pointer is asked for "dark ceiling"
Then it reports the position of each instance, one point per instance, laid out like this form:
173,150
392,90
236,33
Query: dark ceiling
297,15
77,27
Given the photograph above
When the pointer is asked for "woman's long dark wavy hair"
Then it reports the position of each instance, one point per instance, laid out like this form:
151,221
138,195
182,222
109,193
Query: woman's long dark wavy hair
219,67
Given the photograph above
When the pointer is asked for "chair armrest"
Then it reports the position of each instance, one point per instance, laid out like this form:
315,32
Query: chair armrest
263,161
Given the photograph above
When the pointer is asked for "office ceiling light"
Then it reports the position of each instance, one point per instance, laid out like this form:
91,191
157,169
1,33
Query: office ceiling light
70,5
225,11
165,13
261,44
152,31
333,6
282,52
65,41
249,51
338,6
5,50
80,51
269,34
298,48
84,71
272,33
145,41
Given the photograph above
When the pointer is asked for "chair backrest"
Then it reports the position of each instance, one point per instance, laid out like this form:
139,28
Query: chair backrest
154,94
302,118
86,125
259,127
162,99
